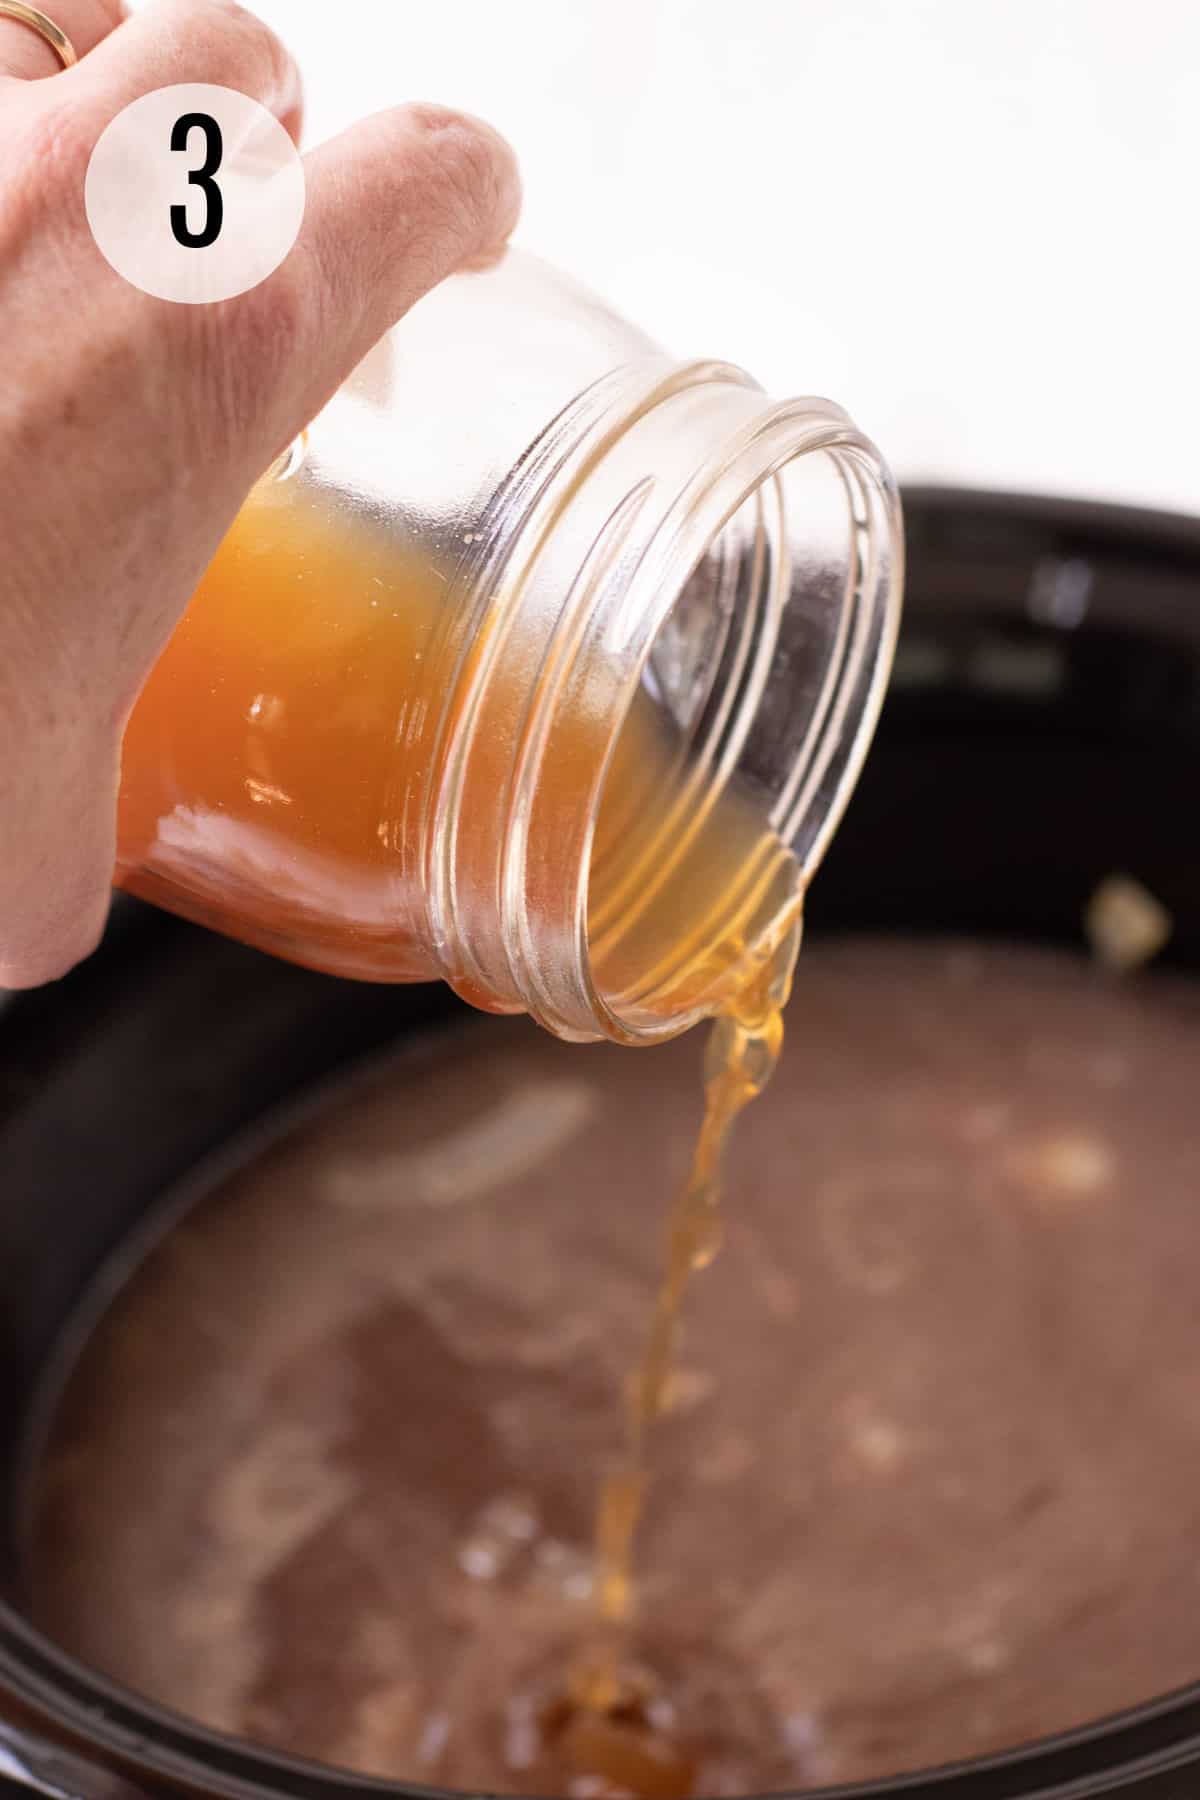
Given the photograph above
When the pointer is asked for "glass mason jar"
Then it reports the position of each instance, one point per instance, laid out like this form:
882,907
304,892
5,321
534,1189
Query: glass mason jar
545,665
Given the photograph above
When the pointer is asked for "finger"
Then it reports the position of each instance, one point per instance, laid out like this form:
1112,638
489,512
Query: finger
25,54
215,41
394,205
57,848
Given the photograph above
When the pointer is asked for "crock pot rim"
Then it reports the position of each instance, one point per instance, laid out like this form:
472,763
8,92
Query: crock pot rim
148,1744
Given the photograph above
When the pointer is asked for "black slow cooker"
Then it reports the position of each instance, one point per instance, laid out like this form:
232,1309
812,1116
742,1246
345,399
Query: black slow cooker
1043,727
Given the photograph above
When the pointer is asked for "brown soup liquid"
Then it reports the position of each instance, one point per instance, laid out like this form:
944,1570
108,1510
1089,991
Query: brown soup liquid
924,1473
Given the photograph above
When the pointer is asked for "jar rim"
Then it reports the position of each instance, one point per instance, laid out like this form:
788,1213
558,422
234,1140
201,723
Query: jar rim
819,785
610,517
637,558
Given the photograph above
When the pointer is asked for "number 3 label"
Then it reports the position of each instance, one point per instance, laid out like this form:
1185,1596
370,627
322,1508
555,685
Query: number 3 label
194,193
201,178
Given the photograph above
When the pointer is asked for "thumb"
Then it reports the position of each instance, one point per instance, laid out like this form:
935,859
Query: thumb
394,205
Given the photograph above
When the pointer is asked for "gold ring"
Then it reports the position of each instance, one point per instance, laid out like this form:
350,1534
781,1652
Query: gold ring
54,35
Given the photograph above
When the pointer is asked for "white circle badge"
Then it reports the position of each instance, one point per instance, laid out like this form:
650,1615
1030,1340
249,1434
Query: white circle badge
195,193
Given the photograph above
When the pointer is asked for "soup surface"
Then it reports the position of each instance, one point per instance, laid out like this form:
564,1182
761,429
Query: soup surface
324,1473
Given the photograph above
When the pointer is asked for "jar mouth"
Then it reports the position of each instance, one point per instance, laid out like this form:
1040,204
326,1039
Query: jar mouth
702,605
746,722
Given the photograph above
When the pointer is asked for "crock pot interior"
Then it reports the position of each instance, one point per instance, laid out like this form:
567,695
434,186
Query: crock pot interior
1042,730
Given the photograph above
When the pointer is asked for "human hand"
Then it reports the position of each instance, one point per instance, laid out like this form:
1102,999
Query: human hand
131,428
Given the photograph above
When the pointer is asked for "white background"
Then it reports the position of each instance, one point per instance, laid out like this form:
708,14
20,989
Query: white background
974,222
